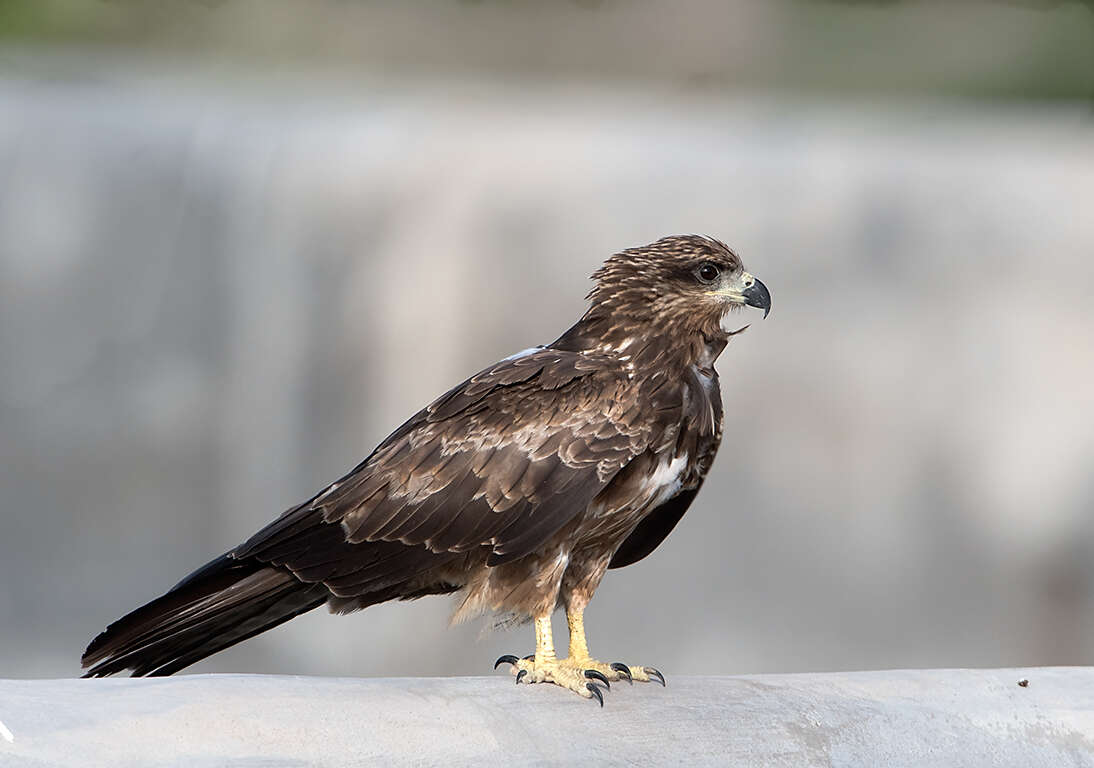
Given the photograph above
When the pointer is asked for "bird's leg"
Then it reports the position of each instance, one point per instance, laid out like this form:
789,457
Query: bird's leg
544,666
579,647
579,653
545,641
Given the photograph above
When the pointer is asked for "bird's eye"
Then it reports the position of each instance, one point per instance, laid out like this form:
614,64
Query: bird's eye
707,272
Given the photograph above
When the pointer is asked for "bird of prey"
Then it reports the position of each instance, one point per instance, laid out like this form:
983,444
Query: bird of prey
517,489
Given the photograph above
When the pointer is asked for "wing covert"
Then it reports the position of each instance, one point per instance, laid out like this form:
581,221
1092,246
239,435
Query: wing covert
503,460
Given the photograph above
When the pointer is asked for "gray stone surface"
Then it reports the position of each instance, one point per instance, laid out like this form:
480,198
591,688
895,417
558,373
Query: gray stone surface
947,718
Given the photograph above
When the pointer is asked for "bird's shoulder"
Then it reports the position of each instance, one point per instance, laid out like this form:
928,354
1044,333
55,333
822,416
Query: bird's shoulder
581,406
549,376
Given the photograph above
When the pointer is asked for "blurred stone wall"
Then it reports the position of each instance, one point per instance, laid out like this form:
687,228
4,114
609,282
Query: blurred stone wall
216,298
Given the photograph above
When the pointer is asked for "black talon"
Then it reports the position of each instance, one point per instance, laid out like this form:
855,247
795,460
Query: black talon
654,673
506,659
596,674
530,657
521,674
595,690
623,670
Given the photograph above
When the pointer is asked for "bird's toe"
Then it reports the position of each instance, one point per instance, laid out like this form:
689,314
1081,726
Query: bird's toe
623,670
596,674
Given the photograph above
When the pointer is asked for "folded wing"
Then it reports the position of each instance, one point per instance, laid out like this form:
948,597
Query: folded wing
502,461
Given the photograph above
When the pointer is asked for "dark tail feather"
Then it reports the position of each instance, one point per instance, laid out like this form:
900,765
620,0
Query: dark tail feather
217,606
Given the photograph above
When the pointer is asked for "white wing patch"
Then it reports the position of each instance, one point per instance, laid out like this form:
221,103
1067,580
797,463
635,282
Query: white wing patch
666,480
523,353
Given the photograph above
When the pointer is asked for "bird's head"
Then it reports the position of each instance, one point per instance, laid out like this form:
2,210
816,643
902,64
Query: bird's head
684,284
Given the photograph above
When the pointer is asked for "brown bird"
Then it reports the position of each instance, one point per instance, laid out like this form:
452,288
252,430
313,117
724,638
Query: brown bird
517,489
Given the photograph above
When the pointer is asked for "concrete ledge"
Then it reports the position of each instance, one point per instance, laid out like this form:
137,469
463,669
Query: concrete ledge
946,718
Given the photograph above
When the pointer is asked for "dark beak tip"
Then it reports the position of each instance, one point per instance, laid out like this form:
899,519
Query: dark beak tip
757,295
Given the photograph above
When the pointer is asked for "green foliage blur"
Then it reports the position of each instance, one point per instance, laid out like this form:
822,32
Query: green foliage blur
974,49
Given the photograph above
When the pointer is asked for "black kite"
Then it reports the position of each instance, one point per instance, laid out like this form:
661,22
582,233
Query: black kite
517,489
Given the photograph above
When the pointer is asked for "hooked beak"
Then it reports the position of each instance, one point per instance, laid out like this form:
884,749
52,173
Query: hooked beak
746,289
756,294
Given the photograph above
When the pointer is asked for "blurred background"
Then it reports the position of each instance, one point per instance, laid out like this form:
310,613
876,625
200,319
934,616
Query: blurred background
241,241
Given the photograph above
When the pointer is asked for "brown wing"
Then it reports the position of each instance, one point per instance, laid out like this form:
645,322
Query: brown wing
700,437
653,529
504,460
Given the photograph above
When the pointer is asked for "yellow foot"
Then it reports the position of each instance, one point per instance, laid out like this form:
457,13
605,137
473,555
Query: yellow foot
619,671
578,675
562,672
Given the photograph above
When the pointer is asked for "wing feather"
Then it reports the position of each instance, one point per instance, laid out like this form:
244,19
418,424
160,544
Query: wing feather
502,461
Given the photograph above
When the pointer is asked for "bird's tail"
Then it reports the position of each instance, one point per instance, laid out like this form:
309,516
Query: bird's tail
221,604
